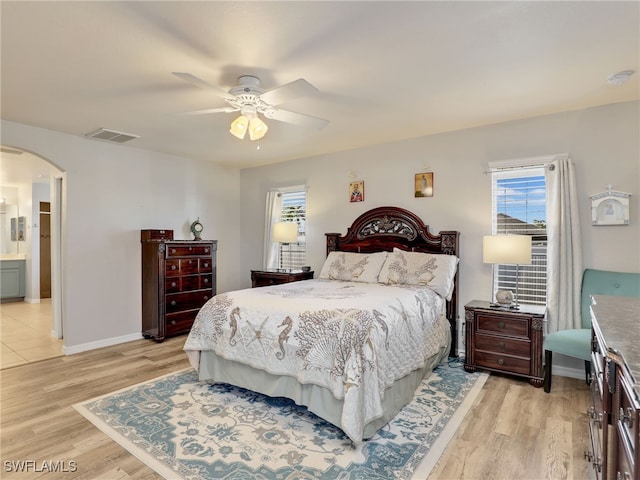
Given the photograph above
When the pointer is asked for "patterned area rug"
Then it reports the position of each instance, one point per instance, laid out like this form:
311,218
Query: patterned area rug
186,429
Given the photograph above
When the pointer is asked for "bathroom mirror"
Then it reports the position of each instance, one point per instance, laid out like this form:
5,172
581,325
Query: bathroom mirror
9,229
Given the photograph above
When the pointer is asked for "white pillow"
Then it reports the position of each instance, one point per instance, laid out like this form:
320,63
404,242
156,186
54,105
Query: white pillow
353,267
437,271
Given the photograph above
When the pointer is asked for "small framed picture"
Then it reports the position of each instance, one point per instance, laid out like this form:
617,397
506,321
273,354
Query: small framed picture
423,184
356,191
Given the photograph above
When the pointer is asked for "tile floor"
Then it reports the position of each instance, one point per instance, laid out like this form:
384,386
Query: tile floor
25,333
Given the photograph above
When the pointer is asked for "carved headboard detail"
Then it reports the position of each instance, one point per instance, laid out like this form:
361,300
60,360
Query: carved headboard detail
386,228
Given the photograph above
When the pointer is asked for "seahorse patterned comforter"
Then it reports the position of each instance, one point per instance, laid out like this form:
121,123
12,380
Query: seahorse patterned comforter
352,338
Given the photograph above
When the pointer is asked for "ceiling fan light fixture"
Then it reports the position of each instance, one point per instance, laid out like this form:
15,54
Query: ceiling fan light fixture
239,127
257,128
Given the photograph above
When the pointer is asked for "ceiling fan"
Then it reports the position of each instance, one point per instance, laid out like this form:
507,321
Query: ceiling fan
250,99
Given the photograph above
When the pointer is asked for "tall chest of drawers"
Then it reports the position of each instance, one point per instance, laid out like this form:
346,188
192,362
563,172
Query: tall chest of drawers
178,277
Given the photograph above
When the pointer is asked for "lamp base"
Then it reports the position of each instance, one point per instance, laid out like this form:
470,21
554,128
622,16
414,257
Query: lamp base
504,297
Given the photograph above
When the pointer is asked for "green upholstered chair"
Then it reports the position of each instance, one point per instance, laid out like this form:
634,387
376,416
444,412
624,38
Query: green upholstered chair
577,342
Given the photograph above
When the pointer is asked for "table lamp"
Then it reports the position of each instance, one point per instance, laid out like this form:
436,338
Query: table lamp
507,250
285,233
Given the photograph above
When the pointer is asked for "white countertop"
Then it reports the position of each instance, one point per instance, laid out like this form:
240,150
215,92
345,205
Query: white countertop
13,256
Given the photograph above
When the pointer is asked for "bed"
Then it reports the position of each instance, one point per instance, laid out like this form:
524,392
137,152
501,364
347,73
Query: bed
352,344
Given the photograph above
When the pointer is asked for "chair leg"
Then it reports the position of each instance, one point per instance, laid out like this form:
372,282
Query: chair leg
587,371
547,370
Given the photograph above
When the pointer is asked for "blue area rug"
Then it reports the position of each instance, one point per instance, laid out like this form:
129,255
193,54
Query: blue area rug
186,429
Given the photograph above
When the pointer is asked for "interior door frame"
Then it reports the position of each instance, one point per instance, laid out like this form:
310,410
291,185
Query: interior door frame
57,258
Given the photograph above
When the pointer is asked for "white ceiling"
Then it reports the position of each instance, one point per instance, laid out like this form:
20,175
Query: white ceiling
385,71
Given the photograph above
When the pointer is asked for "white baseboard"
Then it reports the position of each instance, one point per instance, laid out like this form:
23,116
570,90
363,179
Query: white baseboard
31,300
107,342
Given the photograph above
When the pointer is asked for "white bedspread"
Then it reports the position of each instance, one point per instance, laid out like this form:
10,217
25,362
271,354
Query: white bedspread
352,338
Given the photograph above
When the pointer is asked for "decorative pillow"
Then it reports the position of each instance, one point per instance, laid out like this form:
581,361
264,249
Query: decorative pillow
437,271
353,267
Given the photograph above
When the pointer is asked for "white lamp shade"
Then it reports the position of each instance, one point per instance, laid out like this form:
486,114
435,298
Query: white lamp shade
507,249
257,128
285,232
239,127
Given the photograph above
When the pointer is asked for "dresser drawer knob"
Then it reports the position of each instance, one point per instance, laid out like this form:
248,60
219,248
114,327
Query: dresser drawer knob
206,280
500,324
501,344
501,361
173,322
206,250
628,418
206,265
206,297
173,250
173,267
173,284
173,303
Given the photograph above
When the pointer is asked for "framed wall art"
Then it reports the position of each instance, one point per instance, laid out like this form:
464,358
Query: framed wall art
610,208
423,184
356,191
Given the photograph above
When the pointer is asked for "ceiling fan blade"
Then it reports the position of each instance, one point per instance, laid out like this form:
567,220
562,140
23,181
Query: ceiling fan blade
201,83
289,91
296,118
211,110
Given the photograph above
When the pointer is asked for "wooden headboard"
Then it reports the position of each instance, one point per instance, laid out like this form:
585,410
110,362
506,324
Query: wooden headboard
383,228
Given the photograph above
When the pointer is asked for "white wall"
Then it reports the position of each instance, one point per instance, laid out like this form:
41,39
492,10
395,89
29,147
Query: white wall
111,192
603,142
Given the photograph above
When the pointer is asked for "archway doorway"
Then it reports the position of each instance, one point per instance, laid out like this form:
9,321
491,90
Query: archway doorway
27,181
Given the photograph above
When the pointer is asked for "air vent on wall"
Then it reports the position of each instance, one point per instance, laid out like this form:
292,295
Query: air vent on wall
111,135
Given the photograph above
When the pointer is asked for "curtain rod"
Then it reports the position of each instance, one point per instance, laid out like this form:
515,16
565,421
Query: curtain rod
519,167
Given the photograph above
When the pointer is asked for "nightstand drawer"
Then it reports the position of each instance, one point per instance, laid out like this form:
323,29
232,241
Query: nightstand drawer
265,281
506,363
264,278
503,345
513,326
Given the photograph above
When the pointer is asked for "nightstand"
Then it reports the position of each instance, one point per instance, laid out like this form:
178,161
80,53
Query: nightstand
262,278
504,340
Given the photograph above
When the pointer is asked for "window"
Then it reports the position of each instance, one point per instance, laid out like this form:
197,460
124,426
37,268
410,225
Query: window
519,208
285,205
294,205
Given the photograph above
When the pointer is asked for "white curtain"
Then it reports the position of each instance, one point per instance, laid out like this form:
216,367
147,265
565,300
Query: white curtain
272,215
564,248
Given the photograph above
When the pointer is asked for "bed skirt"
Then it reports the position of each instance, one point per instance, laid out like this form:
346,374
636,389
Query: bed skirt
317,399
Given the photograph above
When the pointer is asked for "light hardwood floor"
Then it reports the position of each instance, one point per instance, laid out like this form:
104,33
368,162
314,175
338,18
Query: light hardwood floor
25,333
514,431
